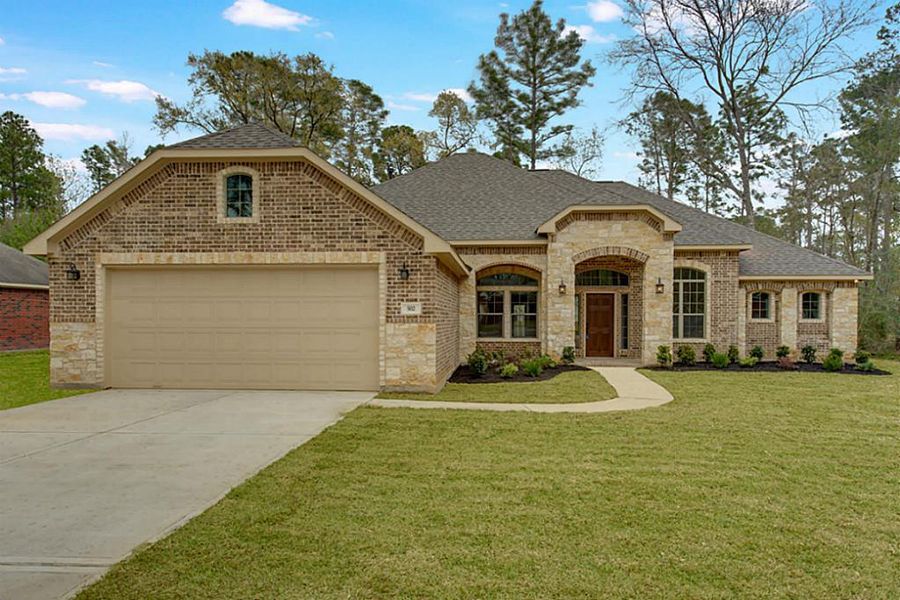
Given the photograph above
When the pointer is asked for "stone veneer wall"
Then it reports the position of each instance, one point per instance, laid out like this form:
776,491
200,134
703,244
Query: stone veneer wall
585,236
301,210
446,301
482,257
635,291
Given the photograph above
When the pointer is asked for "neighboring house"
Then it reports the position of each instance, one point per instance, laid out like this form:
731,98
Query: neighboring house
239,259
24,301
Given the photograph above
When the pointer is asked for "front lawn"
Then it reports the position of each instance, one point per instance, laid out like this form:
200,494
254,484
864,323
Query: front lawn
749,485
25,379
567,387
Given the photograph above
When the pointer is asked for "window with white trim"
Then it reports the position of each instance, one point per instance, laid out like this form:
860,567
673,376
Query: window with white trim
761,306
811,306
507,306
688,304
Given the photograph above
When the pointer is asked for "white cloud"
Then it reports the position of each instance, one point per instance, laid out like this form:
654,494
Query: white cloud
259,13
627,156
124,90
405,107
55,99
12,71
2,41
431,97
100,63
589,34
325,35
71,131
604,11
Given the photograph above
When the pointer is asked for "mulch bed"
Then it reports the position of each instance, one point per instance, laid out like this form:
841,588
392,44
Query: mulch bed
463,374
771,367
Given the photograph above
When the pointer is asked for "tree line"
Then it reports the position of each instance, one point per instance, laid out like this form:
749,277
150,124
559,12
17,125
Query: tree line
717,116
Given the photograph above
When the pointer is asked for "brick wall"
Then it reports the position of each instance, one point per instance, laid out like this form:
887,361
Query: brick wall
512,350
300,209
24,319
723,302
446,302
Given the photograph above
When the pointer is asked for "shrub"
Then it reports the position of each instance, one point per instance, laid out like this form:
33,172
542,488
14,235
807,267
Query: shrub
862,357
533,367
834,361
782,351
509,370
495,359
787,363
749,362
809,354
478,363
733,354
546,361
757,353
686,356
708,351
719,360
865,366
663,356
568,355
836,352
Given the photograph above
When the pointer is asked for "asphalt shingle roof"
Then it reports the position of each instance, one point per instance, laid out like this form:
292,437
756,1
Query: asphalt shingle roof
253,135
20,269
473,196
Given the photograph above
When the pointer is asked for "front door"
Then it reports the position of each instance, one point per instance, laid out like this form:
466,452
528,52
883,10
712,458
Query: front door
600,322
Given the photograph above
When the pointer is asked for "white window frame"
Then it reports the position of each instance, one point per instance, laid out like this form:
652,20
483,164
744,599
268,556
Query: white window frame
680,315
222,194
822,306
507,328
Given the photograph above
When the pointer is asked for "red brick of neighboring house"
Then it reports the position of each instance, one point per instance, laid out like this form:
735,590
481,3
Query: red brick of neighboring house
24,319
24,302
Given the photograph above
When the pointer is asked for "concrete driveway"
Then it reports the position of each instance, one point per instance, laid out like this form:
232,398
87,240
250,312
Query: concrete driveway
83,480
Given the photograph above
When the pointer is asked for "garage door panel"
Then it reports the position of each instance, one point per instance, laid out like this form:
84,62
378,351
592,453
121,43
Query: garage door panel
282,328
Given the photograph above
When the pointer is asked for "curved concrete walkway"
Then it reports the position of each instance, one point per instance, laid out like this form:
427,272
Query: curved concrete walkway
635,392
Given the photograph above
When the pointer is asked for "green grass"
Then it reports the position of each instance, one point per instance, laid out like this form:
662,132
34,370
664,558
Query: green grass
749,485
25,379
570,386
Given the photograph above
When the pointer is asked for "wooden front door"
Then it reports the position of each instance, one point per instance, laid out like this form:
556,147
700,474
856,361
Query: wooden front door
600,325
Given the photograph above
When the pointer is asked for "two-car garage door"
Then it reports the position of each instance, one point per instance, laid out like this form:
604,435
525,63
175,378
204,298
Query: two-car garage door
242,327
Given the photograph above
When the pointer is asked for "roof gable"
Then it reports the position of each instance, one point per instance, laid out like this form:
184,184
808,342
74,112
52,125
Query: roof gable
252,135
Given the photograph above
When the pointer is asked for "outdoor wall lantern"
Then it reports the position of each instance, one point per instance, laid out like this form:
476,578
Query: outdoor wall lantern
72,273
660,286
562,288
404,272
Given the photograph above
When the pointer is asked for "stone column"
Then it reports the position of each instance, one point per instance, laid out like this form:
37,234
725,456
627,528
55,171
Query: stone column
560,307
788,333
467,316
657,318
844,307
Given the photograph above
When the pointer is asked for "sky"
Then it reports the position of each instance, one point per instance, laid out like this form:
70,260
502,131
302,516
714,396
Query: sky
87,71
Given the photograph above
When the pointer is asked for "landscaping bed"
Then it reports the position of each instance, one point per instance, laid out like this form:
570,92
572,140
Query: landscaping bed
465,374
771,366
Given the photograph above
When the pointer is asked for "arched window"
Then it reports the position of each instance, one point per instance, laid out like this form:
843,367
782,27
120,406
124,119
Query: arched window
238,196
600,277
689,304
761,305
811,306
507,305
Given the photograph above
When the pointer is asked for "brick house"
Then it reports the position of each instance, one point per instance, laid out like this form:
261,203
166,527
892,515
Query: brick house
24,301
239,259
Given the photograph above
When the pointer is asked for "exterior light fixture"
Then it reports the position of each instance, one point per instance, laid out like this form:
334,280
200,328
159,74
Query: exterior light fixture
660,286
404,272
562,288
72,273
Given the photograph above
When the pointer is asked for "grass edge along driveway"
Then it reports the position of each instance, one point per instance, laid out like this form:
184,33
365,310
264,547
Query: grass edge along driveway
25,379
